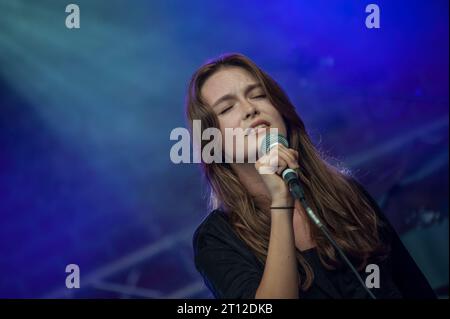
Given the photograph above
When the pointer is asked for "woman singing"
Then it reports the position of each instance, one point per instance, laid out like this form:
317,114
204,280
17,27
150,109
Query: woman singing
258,242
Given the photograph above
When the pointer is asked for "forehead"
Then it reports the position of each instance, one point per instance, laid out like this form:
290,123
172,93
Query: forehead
229,80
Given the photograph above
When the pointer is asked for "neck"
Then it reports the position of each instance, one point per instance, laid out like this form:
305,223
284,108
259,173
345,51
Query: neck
252,181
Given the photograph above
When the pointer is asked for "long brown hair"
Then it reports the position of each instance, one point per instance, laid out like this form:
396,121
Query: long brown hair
350,218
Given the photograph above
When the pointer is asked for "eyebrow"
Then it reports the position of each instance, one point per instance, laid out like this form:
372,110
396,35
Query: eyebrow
247,90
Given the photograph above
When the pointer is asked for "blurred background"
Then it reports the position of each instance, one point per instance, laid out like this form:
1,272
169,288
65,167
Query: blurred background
86,114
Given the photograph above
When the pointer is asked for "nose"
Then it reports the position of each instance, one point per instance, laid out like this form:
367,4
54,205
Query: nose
249,110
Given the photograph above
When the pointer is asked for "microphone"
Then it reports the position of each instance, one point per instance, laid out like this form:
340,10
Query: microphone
269,141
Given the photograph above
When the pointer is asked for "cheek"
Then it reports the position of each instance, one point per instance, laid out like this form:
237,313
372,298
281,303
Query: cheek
282,127
229,121
277,120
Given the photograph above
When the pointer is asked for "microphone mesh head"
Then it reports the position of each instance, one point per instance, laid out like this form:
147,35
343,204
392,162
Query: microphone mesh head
270,140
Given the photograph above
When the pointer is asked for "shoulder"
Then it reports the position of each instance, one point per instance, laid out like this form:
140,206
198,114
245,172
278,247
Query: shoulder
215,218
229,268
215,235
215,226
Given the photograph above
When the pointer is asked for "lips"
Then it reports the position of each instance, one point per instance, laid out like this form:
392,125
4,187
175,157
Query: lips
259,123
256,126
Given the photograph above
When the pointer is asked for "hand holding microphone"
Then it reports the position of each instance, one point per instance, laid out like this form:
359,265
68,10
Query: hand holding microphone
277,168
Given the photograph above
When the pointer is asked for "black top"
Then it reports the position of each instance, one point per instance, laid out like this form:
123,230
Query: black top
231,270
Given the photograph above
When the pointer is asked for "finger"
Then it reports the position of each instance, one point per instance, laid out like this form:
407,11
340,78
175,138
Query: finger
262,161
280,170
291,150
282,165
291,159
281,159
288,158
293,154
268,164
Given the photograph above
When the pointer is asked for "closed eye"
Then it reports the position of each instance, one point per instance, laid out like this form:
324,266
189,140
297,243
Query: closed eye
226,109
261,96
